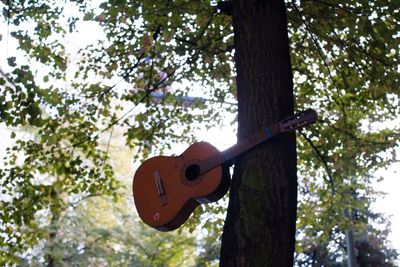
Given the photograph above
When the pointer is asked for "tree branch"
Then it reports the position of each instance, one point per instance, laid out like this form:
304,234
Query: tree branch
324,162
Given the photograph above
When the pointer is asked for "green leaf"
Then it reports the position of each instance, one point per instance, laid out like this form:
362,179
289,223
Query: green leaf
89,16
11,61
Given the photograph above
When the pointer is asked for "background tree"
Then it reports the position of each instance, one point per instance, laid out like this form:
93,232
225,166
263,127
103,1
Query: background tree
344,58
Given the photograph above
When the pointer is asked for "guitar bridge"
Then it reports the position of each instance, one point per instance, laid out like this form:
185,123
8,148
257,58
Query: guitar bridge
160,188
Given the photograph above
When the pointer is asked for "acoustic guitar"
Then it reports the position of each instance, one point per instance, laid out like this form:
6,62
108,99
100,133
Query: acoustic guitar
166,190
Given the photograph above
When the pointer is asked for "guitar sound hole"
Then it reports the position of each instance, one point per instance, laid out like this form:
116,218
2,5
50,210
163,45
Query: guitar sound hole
192,172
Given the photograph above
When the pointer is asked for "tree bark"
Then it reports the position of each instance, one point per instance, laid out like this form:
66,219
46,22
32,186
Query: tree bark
260,225
49,254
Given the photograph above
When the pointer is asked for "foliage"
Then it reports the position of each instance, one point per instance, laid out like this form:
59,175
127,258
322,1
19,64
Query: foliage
345,63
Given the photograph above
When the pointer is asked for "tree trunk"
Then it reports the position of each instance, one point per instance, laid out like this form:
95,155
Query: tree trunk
260,225
49,254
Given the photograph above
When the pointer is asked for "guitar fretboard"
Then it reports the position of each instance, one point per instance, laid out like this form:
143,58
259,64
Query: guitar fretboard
241,147
291,123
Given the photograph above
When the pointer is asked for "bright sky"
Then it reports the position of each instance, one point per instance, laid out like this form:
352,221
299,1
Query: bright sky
221,138
389,204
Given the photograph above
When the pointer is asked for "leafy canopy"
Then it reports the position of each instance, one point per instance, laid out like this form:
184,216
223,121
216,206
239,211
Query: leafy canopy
345,63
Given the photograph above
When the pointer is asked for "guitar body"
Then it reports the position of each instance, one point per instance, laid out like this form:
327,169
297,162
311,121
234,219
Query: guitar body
166,190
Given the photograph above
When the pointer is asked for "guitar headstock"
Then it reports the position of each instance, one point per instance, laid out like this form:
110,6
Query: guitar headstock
298,120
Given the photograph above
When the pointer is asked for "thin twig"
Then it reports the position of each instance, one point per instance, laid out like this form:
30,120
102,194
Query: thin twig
321,157
320,54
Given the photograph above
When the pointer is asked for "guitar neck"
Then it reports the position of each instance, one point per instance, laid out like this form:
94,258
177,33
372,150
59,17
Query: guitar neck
241,147
291,123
